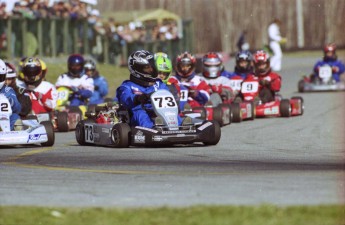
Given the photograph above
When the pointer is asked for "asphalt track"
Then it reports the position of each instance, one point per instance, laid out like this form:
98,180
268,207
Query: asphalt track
281,161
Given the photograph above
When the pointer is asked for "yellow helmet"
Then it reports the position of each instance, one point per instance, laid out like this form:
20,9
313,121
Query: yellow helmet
20,68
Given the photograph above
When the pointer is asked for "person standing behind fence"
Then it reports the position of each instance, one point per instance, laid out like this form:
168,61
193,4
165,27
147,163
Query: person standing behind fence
275,39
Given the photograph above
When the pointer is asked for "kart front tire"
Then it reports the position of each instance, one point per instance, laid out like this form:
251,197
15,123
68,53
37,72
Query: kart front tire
50,133
285,108
120,135
218,115
62,121
237,113
301,86
80,133
215,137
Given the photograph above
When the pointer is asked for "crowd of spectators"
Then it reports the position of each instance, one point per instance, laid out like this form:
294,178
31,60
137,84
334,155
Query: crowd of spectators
118,34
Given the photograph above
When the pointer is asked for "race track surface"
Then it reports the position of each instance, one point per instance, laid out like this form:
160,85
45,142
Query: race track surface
281,161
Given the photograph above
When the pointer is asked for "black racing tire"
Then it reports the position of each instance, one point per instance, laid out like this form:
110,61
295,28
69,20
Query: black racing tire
216,134
285,108
302,102
218,115
80,133
237,112
62,121
231,115
301,86
252,104
120,135
50,133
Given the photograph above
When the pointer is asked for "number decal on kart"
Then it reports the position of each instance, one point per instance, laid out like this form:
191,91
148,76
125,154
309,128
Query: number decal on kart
184,95
325,72
62,95
250,87
164,102
236,84
89,136
4,107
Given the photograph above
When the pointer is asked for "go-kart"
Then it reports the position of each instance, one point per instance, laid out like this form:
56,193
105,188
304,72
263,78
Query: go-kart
324,82
278,108
29,132
110,127
64,117
211,110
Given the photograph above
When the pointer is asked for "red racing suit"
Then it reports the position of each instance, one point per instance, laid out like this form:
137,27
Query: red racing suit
43,97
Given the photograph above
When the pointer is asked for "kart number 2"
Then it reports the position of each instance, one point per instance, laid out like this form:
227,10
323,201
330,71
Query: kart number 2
4,107
164,102
89,135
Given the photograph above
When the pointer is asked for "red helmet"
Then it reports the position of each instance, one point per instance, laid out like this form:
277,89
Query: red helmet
261,58
185,64
212,65
330,48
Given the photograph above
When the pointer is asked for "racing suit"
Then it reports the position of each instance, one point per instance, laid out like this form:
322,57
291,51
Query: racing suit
237,77
220,86
338,68
141,116
43,97
194,90
269,84
100,91
15,105
82,88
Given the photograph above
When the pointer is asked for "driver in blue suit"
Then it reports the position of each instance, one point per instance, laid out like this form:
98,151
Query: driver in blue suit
134,94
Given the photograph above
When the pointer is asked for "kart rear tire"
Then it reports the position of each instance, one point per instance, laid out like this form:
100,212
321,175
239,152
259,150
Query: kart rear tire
253,111
231,115
62,121
302,103
301,86
218,115
237,113
50,133
216,134
285,108
120,135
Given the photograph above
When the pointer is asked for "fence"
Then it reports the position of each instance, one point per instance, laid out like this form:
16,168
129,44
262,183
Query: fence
57,36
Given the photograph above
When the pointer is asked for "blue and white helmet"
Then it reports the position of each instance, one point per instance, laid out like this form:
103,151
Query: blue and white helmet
141,65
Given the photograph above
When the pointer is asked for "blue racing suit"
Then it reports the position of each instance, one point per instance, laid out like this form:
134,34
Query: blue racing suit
101,90
331,63
15,105
126,93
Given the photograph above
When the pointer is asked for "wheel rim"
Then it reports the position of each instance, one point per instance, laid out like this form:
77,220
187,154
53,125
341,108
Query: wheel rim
115,137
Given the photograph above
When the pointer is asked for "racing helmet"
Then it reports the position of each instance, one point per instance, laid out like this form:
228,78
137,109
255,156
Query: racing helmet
243,61
11,70
164,66
261,62
329,52
20,68
185,64
141,65
32,70
90,66
3,72
75,65
44,68
212,65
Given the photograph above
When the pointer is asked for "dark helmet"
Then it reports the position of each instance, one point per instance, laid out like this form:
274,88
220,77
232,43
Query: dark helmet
32,71
212,65
141,65
185,59
261,57
75,64
243,56
329,52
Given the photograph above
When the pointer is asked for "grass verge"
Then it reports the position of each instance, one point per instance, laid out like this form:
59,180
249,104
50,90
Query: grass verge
205,215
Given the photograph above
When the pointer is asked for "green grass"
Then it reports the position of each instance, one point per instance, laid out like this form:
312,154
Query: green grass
205,215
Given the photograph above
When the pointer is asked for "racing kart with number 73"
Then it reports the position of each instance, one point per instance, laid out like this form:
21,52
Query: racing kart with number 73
109,126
